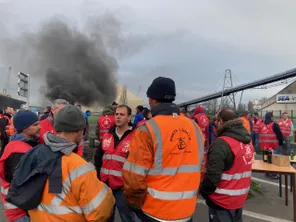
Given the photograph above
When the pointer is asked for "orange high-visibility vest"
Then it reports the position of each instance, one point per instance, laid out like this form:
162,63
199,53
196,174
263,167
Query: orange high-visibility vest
83,197
246,123
9,128
173,179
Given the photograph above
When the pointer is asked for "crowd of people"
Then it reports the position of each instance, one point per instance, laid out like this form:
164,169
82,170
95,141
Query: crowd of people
152,168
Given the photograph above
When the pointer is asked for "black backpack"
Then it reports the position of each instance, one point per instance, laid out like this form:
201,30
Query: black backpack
26,188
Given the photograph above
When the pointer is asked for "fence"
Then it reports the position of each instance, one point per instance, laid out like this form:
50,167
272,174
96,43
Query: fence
278,113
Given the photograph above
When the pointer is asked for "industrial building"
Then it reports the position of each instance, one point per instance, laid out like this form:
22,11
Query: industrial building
9,101
283,101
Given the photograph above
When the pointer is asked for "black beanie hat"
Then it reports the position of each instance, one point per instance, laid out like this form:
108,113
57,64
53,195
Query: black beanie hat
162,89
69,119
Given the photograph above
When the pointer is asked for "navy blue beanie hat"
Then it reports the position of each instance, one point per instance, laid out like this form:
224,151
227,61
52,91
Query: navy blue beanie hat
162,89
23,119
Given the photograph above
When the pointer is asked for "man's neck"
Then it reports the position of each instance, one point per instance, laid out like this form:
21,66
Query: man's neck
122,129
27,136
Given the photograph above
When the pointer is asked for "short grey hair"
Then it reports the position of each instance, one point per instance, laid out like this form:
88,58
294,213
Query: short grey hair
59,102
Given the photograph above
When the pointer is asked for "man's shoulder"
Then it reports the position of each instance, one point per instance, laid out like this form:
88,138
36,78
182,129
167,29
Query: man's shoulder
74,161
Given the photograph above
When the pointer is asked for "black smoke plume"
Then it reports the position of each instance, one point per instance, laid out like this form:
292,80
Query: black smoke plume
78,70
65,62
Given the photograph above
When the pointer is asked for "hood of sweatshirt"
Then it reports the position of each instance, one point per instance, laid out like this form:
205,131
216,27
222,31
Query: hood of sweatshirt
235,129
57,143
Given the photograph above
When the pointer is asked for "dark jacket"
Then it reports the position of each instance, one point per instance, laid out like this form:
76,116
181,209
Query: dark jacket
13,160
44,116
35,167
221,158
100,153
276,130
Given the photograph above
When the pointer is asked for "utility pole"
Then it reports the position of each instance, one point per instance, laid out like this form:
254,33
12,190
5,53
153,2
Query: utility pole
227,84
6,89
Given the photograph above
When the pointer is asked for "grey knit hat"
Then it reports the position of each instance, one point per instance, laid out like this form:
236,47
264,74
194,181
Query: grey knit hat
69,119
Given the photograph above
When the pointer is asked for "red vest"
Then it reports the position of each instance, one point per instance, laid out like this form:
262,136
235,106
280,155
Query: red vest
285,127
256,125
267,137
204,122
47,126
141,123
105,124
11,212
113,160
233,188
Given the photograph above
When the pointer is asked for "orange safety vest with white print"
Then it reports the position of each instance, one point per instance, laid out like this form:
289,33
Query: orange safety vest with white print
113,160
246,123
285,127
267,137
11,212
233,188
174,177
83,197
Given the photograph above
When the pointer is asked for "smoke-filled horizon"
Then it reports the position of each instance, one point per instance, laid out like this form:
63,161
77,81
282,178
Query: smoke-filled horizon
67,63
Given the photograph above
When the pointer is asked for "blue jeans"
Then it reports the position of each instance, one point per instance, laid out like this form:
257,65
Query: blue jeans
126,214
276,151
23,219
255,139
286,146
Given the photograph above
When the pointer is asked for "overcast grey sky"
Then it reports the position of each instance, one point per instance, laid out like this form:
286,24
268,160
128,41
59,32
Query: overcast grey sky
191,41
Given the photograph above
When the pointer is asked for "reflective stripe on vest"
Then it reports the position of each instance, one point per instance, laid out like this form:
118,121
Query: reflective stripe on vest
4,191
9,206
164,195
272,136
55,208
114,157
236,176
111,172
88,208
159,170
232,192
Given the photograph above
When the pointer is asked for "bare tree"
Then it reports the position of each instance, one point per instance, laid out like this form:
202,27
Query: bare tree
123,96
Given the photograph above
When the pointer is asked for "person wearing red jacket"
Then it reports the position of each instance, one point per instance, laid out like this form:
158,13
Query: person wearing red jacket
257,121
47,125
203,121
105,122
27,126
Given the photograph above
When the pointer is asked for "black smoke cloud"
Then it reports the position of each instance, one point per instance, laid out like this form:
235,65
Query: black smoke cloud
65,62
78,69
